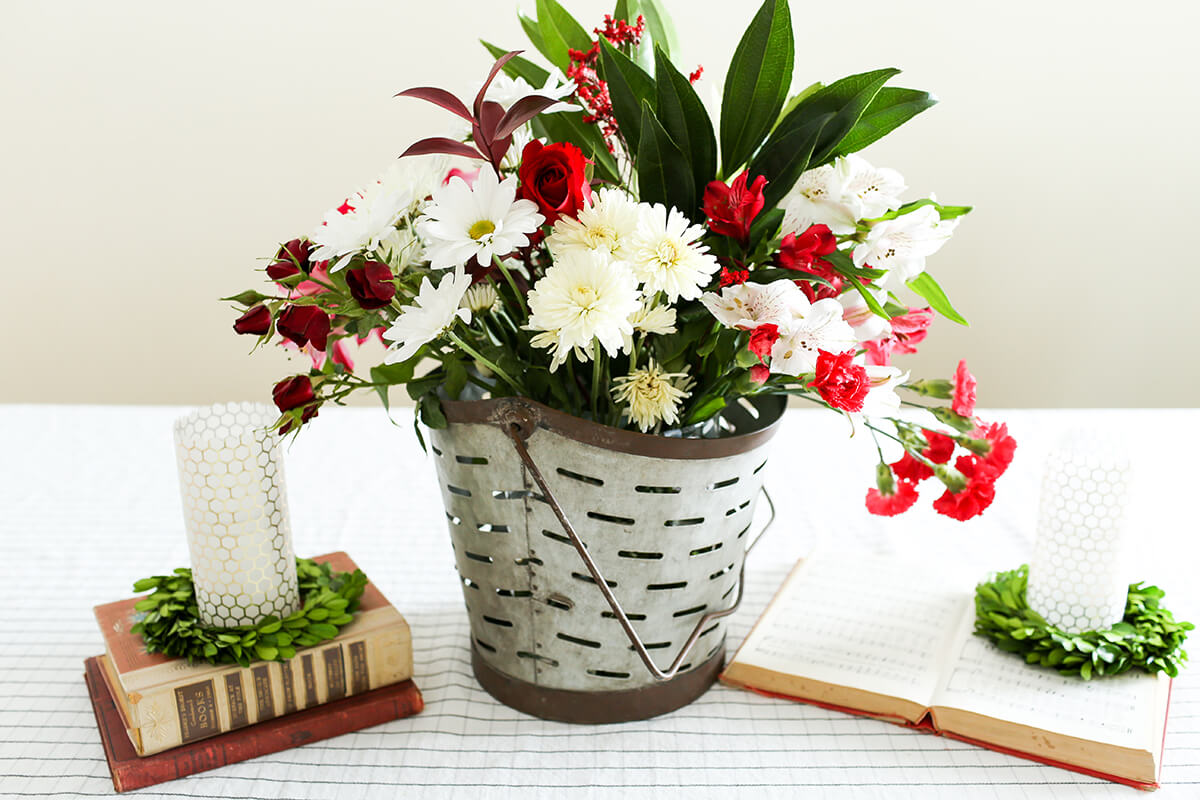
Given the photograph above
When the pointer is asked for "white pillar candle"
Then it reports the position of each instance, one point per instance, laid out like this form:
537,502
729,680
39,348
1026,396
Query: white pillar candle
235,512
1079,578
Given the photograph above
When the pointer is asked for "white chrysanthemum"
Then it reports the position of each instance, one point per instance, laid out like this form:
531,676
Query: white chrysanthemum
657,319
651,396
506,91
480,297
664,255
583,296
901,245
748,305
607,224
431,313
462,223
401,249
821,328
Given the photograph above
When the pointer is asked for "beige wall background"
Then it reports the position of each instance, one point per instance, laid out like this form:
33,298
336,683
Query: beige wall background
153,153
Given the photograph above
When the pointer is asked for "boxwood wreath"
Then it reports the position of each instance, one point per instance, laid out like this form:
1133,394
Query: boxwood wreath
172,625
1148,637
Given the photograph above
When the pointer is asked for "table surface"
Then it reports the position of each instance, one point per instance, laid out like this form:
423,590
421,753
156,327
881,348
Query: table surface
90,502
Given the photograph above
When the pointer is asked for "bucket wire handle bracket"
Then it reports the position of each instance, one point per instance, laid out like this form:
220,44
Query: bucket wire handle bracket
518,431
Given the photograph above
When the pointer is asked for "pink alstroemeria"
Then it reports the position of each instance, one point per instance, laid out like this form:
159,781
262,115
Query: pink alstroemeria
908,331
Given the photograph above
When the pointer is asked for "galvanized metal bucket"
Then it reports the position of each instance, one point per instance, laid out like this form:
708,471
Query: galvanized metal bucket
597,564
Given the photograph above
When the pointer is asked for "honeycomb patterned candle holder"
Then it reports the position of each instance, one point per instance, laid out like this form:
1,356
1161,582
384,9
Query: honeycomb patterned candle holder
1078,578
235,513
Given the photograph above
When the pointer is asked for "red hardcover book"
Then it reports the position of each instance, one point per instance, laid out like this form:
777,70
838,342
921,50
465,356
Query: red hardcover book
129,771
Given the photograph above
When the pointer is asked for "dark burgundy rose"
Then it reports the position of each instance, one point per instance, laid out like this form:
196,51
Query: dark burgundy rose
256,320
371,284
291,259
292,393
305,325
555,177
282,270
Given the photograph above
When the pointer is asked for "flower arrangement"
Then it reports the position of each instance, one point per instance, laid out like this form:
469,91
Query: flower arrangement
599,245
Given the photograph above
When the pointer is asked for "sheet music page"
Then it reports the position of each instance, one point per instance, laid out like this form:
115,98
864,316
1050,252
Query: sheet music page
869,622
1119,710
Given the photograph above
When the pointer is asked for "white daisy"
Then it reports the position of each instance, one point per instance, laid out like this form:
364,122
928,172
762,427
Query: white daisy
665,257
821,328
583,296
748,305
651,396
506,91
480,297
401,249
431,314
462,223
606,224
901,245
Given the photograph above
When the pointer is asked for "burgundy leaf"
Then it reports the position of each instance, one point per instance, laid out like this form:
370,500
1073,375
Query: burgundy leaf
500,62
440,144
485,132
439,97
521,112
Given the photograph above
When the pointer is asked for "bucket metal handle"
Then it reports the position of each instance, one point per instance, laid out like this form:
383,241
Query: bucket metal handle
517,432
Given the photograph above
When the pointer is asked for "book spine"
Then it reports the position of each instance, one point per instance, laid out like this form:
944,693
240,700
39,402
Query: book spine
186,712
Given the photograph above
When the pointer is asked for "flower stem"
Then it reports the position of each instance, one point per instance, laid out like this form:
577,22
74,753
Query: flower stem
466,348
512,284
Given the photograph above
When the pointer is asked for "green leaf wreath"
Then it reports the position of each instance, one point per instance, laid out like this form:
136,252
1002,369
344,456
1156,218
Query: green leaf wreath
172,625
1148,637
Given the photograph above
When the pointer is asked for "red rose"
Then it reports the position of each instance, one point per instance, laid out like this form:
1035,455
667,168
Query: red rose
554,176
731,209
304,325
291,259
977,495
282,270
762,339
840,382
371,284
899,500
293,393
964,391
256,320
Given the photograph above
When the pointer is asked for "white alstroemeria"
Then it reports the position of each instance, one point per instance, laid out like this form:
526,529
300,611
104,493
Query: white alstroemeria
866,323
650,395
665,257
506,91
649,318
901,245
606,224
369,216
483,222
882,400
821,328
817,198
747,305
431,314
869,191
583,296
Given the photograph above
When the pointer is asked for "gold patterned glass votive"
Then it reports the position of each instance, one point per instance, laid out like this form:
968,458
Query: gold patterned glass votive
235,511
1079,577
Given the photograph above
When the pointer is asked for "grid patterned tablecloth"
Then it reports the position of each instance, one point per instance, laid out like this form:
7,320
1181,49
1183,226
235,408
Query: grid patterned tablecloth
89,497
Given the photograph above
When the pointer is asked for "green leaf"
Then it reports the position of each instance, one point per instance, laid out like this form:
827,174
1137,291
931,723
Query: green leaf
247,298
890,109
145,584
871,302
706,409
568,126
628,86
535,37
518,67
664,174
757,84
323,630
456,377
786,155
386,375
945,212
266,652
928,288
660,25
431,412
560,33
686,121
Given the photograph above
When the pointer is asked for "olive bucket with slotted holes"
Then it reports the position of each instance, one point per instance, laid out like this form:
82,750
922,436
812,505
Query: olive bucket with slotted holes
598,564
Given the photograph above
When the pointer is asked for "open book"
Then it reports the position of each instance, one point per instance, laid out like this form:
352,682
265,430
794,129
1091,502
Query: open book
884,638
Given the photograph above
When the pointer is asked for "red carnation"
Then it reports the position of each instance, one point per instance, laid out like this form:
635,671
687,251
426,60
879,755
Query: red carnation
555,177
760,373
840,382
1003,447
889,505
940,449
371,284
964,391
762,339
978,494
304,325
912,470
292,393
256,320
732,208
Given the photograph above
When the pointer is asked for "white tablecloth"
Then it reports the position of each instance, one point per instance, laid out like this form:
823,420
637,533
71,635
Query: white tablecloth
89,497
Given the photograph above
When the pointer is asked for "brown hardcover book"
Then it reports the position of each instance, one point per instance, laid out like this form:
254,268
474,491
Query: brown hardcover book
165,702
894,640
131,771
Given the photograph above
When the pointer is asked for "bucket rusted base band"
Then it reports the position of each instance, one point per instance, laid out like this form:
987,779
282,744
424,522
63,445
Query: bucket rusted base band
622,705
